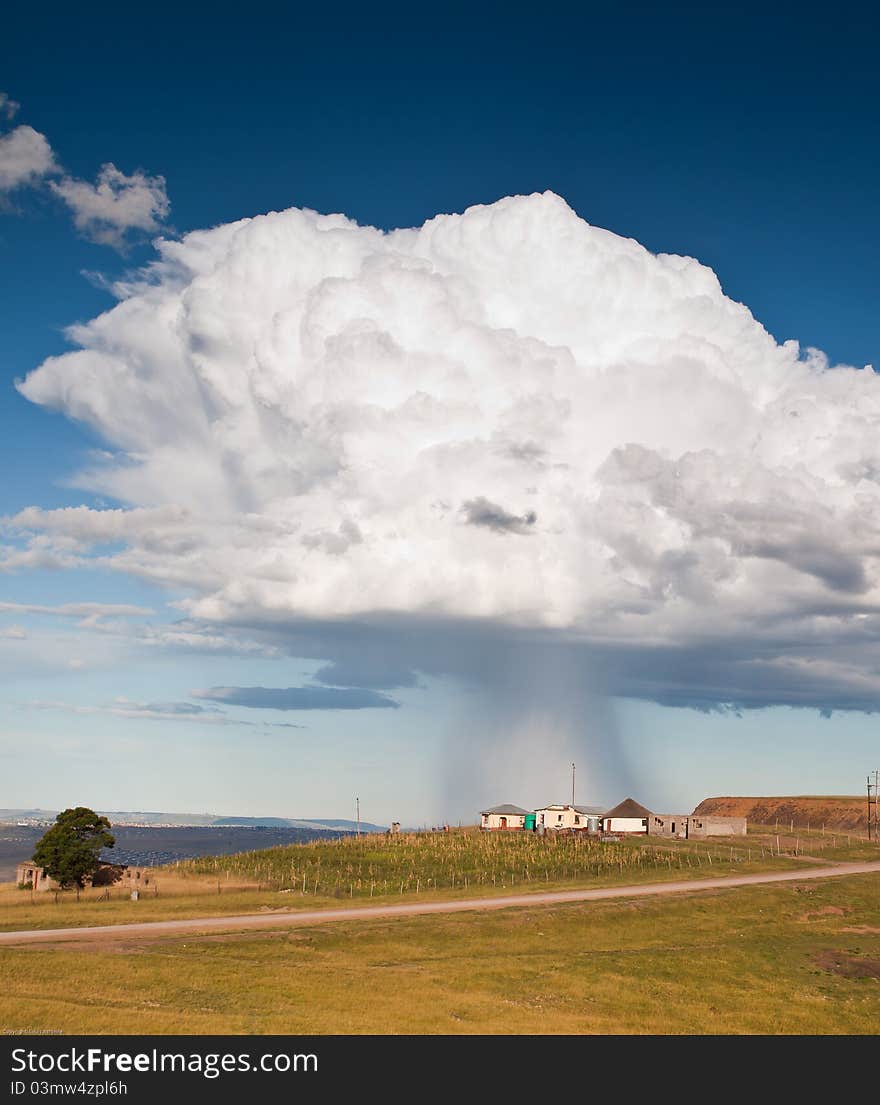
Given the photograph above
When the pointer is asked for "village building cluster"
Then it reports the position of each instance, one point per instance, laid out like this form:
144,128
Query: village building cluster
628,818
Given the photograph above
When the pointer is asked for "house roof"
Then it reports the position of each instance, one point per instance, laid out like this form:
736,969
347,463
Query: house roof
506,809
578,809
629,807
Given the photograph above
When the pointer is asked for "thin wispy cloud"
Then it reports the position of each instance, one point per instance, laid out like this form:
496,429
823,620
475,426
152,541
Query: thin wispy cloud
8,107
299,698
78,609
113,620
156,711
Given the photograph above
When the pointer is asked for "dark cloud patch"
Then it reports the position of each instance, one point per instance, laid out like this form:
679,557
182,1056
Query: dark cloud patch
368,671
723,676
826,561
824,656
178,709
482,512
299,698
529,452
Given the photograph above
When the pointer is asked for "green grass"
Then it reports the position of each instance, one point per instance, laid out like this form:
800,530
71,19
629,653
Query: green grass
833,845
475,862
746,960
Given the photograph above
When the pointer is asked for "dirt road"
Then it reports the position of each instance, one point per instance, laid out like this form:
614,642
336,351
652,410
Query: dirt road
283,920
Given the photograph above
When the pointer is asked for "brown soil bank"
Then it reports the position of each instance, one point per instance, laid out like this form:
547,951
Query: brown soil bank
813,810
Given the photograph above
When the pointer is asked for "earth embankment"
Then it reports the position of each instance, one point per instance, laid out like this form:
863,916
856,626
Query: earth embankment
806,811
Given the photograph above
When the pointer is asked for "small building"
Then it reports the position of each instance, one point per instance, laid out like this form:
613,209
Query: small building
503,817
107,874
135,877
684,825
716,826
669,824
568,817
629,818
29,874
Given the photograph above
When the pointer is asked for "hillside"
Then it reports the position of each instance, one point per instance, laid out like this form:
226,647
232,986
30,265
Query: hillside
142,818
813,810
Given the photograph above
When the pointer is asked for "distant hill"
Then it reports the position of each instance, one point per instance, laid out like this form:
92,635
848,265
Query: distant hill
12,817
813,810
336,825
196,820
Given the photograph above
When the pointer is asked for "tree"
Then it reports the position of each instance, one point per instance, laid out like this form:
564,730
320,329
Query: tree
70,850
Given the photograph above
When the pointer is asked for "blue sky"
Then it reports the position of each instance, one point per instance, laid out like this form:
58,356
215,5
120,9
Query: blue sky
747,140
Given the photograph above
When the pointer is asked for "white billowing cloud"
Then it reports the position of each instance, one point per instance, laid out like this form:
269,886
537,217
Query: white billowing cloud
25,157
506,416
13,633
115,204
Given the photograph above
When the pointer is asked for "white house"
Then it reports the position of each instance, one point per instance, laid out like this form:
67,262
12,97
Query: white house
567,817
503,817
628,817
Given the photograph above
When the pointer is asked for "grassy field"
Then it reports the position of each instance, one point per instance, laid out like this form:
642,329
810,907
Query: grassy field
410,863
800,958
377,869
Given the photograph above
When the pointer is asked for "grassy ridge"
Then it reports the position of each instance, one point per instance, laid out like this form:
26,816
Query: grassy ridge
411,863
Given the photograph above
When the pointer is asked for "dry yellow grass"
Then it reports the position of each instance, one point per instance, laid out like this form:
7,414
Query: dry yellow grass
782,959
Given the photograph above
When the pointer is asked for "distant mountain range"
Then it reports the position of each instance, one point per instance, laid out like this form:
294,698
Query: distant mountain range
202,820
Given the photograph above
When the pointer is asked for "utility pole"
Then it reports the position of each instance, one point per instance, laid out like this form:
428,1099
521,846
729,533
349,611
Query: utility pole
876,804
572,784
869,807
358,803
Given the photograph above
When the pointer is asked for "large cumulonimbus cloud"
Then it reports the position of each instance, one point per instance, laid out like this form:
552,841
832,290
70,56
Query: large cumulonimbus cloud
506,419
